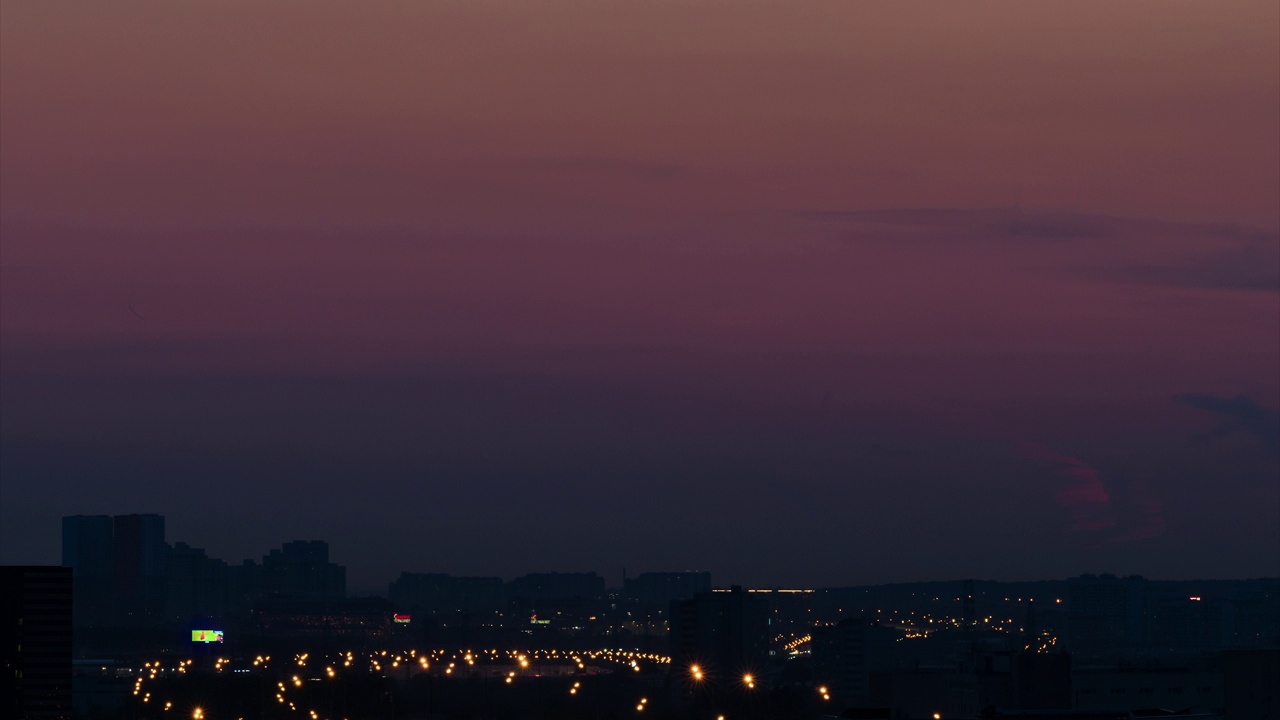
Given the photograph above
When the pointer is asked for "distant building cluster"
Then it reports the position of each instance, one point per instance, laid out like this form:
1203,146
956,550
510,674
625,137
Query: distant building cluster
1109,616
126,575
435,593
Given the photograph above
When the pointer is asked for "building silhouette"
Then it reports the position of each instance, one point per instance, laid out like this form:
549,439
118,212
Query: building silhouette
1135,685
1106,614
88,548
126,575
1249,683
301,570
846,653
119,565
140,562
557,587
723,634
982,685
434,593
35,647
197,585
660,588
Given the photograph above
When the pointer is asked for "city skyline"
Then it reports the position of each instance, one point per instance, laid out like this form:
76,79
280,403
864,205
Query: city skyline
74,546
163,622
834,294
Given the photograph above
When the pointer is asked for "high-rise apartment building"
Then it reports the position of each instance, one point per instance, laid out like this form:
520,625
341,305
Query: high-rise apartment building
35,642
844,656
118,567
88,548
1106,614
301,570
140,560
197,584
719,637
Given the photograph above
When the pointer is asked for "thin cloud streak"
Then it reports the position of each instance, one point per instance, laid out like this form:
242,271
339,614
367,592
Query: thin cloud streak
602,167
1110,249
1240,414
1252,266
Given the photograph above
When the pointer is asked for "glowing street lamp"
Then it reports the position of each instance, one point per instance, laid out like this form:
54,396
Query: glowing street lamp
749,680
696,671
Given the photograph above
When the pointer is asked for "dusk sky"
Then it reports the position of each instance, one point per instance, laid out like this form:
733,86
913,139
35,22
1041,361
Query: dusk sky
813,293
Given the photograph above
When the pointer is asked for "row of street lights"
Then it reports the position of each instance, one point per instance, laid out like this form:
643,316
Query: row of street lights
748,679
695,671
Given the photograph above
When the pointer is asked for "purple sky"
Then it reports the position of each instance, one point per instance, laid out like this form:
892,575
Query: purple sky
816,293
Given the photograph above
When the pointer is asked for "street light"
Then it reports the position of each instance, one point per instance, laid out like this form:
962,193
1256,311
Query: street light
749,680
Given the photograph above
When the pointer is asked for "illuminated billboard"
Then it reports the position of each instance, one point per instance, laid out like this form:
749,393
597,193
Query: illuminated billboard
402,619
206,636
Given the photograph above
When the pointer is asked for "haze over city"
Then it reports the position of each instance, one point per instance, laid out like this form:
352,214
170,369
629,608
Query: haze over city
802,294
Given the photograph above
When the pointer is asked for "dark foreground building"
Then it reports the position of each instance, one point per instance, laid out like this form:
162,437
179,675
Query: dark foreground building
719,637
1250,683
36,642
